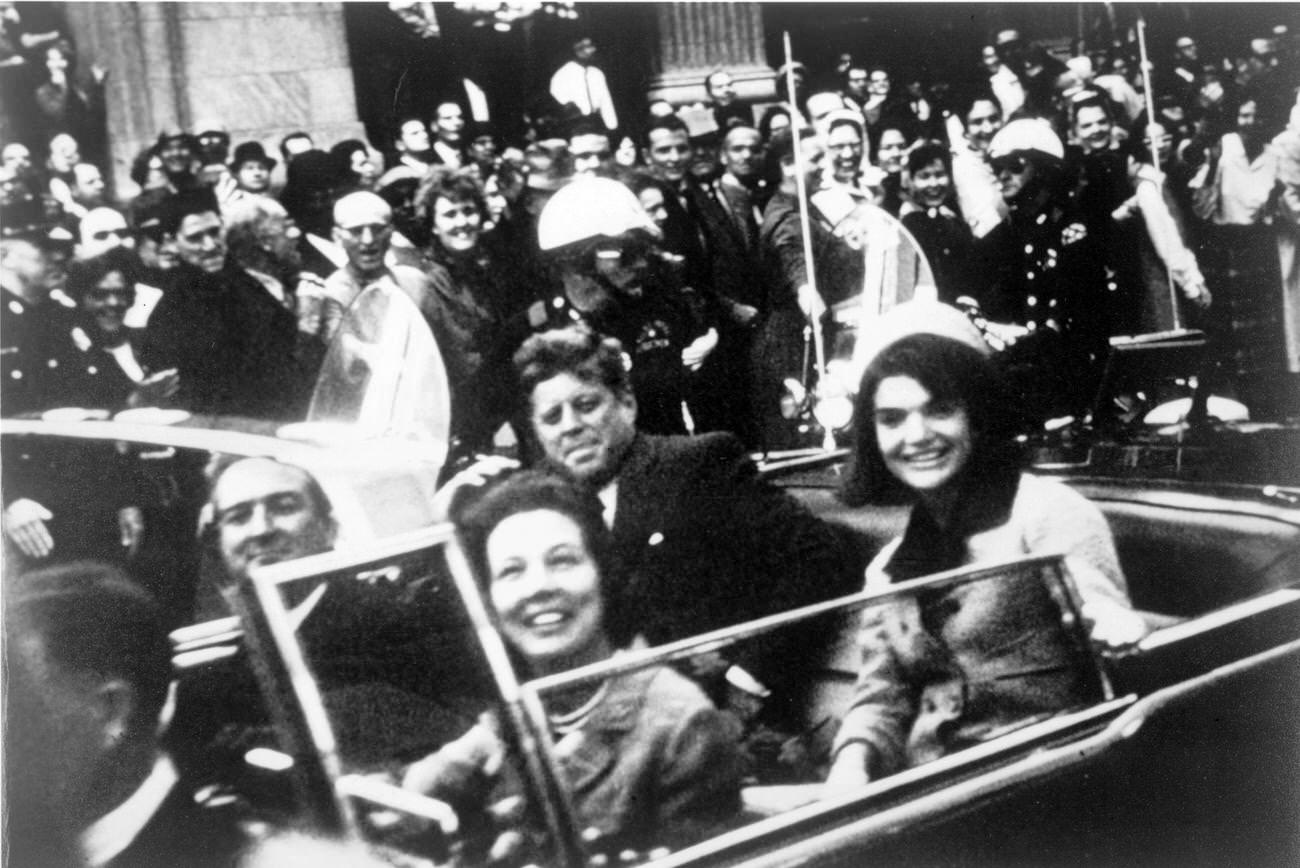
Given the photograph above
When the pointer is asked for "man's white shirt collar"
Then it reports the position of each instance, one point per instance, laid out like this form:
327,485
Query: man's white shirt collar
112,833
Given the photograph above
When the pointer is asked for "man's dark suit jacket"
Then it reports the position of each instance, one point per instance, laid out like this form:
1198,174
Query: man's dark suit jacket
704,543
232,343
182,833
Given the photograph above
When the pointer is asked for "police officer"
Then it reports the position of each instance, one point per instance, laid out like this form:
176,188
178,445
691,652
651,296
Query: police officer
1045,301
614,277
29,319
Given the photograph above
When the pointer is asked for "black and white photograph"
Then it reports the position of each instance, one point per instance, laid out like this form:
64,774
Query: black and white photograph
561,434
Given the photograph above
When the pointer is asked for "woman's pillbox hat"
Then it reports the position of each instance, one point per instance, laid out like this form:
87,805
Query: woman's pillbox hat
919,317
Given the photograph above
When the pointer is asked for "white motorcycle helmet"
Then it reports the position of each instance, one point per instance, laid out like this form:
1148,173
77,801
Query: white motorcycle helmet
591,208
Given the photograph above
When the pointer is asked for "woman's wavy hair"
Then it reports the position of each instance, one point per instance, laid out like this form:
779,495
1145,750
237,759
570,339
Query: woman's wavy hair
476,513
454,185
950,371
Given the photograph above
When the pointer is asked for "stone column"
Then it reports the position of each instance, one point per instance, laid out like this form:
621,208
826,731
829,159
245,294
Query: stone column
264,69
697,38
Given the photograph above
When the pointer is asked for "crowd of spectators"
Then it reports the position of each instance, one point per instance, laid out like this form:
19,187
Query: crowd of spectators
1049,199
624,274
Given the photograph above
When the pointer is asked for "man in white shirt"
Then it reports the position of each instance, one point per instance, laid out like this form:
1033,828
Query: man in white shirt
582,85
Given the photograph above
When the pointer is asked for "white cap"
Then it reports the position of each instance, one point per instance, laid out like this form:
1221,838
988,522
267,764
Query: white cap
919,317
1080,66
1027,134
591,208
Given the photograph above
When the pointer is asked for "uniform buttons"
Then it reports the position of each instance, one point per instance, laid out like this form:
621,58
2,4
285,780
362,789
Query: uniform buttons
17,375
1029,275
1029,248
15,308
1031,325
558,302
1051,302
92,370
1032,301
1042,218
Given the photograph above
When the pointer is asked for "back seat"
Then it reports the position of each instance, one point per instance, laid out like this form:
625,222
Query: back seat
1183,553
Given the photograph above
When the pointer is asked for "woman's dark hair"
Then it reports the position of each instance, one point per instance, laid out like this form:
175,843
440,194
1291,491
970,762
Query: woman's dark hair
765,122
925,153
341,154
1091,99
983,95
902,126
477,513
844,121
140,166
85,274
950,371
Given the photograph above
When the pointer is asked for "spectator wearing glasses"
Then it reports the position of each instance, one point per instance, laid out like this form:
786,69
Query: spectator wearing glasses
363,227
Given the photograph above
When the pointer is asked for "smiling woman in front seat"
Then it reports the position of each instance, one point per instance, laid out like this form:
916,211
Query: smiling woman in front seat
948,669
648,761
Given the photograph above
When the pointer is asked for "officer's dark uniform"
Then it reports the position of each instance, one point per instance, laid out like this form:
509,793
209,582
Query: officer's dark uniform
1047,274
26,335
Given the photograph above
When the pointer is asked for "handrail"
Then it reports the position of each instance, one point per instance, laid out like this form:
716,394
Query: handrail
1033,766
897,785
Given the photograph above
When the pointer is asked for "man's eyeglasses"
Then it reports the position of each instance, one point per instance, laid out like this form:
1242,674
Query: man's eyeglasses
105,234
377,230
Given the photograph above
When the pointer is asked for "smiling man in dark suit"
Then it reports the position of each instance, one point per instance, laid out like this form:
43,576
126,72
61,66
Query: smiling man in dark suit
703,542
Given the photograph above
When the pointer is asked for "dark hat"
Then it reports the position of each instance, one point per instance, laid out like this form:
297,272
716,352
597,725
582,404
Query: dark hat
251,151
171,133
173,210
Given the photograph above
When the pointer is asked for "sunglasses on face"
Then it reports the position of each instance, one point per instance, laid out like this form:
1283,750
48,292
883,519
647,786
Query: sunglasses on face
1014,165
105,234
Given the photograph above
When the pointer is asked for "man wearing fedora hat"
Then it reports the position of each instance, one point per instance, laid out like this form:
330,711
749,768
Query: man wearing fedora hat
251,168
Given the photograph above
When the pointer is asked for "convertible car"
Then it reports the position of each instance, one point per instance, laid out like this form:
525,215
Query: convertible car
305,693
1185,753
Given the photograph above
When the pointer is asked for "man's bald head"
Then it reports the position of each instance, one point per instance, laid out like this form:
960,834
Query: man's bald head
361,207
363,227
